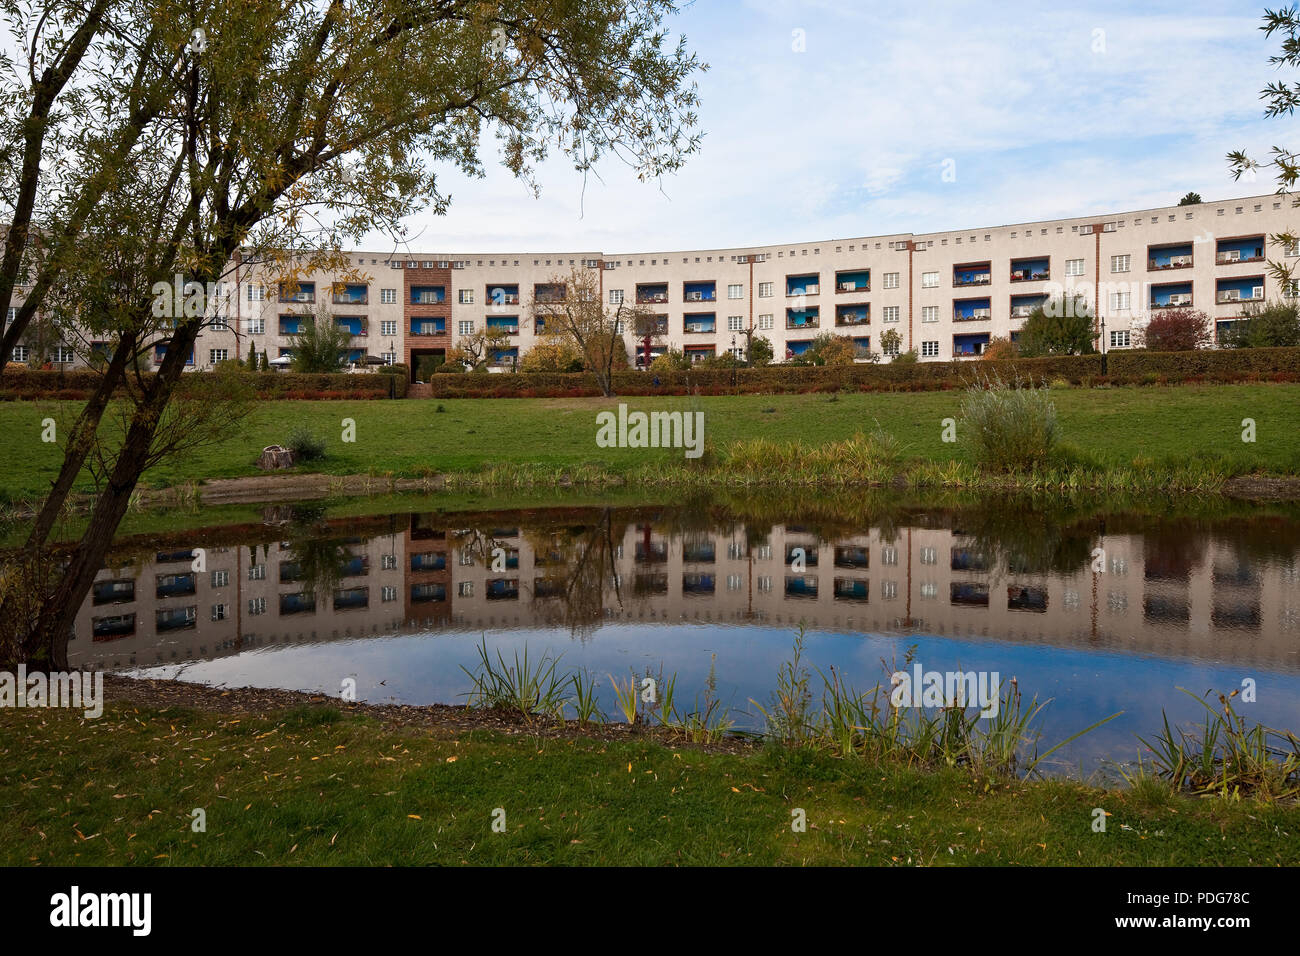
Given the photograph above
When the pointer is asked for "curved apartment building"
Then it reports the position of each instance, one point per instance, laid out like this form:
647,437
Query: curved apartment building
948,294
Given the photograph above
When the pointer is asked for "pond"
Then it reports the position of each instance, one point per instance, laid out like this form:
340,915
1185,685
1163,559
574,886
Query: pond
1100,611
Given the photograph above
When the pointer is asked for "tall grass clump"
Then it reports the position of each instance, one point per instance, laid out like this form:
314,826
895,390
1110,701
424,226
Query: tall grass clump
530,686
305,445
1227,758
1008,426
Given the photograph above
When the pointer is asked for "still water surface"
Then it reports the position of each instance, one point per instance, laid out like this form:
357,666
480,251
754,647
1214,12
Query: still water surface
1101,613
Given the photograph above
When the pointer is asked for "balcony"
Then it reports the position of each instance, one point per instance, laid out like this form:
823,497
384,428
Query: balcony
428,593
701,324
352,295
1230,252
503,295
972,310
652,294
1171,296
509,324
502,589
428,295
852,315
1022,306
809,284
355,326
969,346
700,291
855,281
1234,291
304,293
429,327
1030,270
801,586
174,585
1160,258
549,293
975,273
851,589
802,318
429,561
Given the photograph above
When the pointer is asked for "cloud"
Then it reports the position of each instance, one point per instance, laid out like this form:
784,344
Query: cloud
1044,113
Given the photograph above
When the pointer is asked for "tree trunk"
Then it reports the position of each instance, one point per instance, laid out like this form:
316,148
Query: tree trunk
80,443
59,611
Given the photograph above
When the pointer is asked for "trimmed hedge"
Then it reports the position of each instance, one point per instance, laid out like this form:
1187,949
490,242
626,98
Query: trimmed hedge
25,383
1122,368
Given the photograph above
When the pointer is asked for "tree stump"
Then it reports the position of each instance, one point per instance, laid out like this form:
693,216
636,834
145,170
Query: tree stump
275,457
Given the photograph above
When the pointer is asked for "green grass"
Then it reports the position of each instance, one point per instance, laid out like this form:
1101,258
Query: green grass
320,786
1110,427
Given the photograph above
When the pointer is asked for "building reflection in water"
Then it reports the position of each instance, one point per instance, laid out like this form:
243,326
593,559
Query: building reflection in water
1177,590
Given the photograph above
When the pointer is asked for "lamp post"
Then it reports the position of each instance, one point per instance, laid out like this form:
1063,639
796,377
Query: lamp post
1102,343
733,360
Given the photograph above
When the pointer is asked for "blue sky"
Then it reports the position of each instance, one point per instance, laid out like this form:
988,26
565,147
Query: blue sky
1037,111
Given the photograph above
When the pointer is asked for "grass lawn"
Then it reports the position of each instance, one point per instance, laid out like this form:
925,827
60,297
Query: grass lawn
410,438
312,785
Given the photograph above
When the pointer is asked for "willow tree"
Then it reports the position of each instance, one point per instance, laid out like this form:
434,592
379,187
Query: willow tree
290,129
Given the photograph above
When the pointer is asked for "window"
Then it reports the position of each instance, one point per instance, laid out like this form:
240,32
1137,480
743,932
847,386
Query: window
218,612
257,572
257,326
388,296
387,326
765,290
930,349
388,593
20,353
735,291
13,313
1120,263
256,293
63,354
929,280
891,349
615,296
929,555
387,562
220,579
1119,301
218,355
219,324
256,606
930,313
765,321
735,323
466,297
390,358
465,327
1074,267
1119,339
465,589
890,313
889,555
891,280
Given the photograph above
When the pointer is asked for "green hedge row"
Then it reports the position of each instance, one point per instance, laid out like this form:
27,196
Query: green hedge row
1121,368
25,383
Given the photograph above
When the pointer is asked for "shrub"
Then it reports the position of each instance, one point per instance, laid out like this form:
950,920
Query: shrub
1177,330
305,445
1008,427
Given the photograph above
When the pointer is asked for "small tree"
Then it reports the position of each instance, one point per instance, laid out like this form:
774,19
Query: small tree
570,307
760,351
1061,326
1000,350
1191,199
1177,330
320,343
253,362
551,355
1270,325
891,342
478,348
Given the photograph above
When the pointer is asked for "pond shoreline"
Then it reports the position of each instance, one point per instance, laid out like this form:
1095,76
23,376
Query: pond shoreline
259,489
